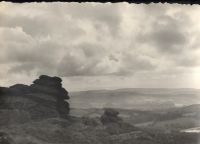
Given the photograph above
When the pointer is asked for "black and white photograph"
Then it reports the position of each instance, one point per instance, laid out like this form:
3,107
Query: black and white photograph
99,73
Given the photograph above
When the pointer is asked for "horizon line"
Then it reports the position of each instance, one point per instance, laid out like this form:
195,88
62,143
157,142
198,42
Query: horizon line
112,89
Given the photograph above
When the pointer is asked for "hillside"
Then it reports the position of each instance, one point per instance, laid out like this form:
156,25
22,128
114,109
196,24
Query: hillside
187,116
40,114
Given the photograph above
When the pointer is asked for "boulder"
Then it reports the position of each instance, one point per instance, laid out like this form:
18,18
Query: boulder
110,116
114,125
51,86
45,98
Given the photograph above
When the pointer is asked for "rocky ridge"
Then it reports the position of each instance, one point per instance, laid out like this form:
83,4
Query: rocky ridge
45,98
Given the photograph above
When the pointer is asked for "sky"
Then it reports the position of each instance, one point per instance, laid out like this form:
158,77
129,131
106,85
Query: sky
101,46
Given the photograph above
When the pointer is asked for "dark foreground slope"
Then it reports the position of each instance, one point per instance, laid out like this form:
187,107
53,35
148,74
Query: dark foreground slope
88,131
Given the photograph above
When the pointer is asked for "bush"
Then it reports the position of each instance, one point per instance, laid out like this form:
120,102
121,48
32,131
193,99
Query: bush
90,121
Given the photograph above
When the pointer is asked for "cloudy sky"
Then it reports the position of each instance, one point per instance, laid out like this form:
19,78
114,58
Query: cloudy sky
98,46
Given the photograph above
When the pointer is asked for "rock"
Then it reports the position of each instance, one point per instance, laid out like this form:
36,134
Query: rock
110,116
51,86
45,98
114,124
3,92
12,117
19,89
5,139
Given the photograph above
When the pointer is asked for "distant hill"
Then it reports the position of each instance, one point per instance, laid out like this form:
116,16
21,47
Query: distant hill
135,98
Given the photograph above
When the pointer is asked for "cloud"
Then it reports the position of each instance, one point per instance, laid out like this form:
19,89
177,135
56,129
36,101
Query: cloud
85,59
168,33
101,15
98,40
